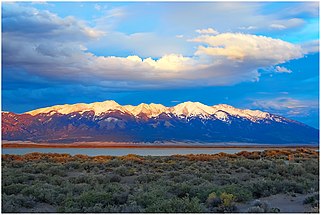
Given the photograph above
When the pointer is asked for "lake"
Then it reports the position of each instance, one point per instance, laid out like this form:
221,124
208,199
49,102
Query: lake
126,151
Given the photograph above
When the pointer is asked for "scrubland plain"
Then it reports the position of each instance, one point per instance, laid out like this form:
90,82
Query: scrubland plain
242,182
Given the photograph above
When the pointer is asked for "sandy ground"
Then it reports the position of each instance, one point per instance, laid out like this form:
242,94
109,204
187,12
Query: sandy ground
286,203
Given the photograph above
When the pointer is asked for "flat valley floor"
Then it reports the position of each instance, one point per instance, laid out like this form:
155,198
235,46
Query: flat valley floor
275,180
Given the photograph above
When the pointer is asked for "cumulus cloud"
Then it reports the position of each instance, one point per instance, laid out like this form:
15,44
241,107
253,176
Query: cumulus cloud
207,31
57,51
265,50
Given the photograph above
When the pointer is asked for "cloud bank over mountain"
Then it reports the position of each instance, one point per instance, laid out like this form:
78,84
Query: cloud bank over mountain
60,52
65,52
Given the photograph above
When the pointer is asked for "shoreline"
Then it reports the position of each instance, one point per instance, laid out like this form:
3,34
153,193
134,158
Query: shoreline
164,146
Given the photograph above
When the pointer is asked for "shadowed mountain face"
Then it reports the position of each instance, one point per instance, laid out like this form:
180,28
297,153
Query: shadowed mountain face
189,121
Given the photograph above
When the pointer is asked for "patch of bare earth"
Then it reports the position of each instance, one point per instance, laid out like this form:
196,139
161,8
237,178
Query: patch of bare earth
43,207
285,202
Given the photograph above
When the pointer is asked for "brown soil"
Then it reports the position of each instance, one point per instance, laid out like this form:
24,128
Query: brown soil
285,202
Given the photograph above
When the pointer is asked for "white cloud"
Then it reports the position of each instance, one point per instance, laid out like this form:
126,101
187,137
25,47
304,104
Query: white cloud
60,53
287,105
265,50
311,46
282,69
142,44
286,23
207,31
277,26
248,27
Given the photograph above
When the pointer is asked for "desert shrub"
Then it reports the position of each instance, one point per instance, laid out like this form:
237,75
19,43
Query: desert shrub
293,186
97,208
181,189
147,178
56,180
282,169
13,188
241,193
120,197
228,203
91,198
162,183
70,205
36,168
76,189
173,174
72,165
115,178
241,170
101,179
274,210
89,201
43,192
22,178
311,199
176,205
12,203
296,169
207,176
180,178
264,188
8,204
202,191
114,163
149,195
122,171
213,200
82,178
311,166
56,170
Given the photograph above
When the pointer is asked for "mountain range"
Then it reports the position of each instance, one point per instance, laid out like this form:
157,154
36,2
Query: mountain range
185,122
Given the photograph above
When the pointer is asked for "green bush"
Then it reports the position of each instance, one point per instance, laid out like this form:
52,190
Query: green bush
181,183
241,192
176,205
13,188
147,178
91,198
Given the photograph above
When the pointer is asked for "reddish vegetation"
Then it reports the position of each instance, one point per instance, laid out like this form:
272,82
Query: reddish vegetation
282,153
271,153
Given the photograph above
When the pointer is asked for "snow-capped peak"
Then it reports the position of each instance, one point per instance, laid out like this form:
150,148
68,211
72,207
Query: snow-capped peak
186,109
151,110
253,115
192,109
97,107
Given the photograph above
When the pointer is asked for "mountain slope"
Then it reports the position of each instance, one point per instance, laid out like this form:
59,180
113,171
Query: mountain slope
188,121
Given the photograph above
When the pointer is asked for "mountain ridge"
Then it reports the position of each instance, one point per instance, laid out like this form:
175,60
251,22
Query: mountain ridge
187,121
186,109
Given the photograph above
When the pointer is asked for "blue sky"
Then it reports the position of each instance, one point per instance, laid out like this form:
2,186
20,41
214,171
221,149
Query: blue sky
257,55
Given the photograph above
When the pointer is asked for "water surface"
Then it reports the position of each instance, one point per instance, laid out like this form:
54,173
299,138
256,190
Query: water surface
126,151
